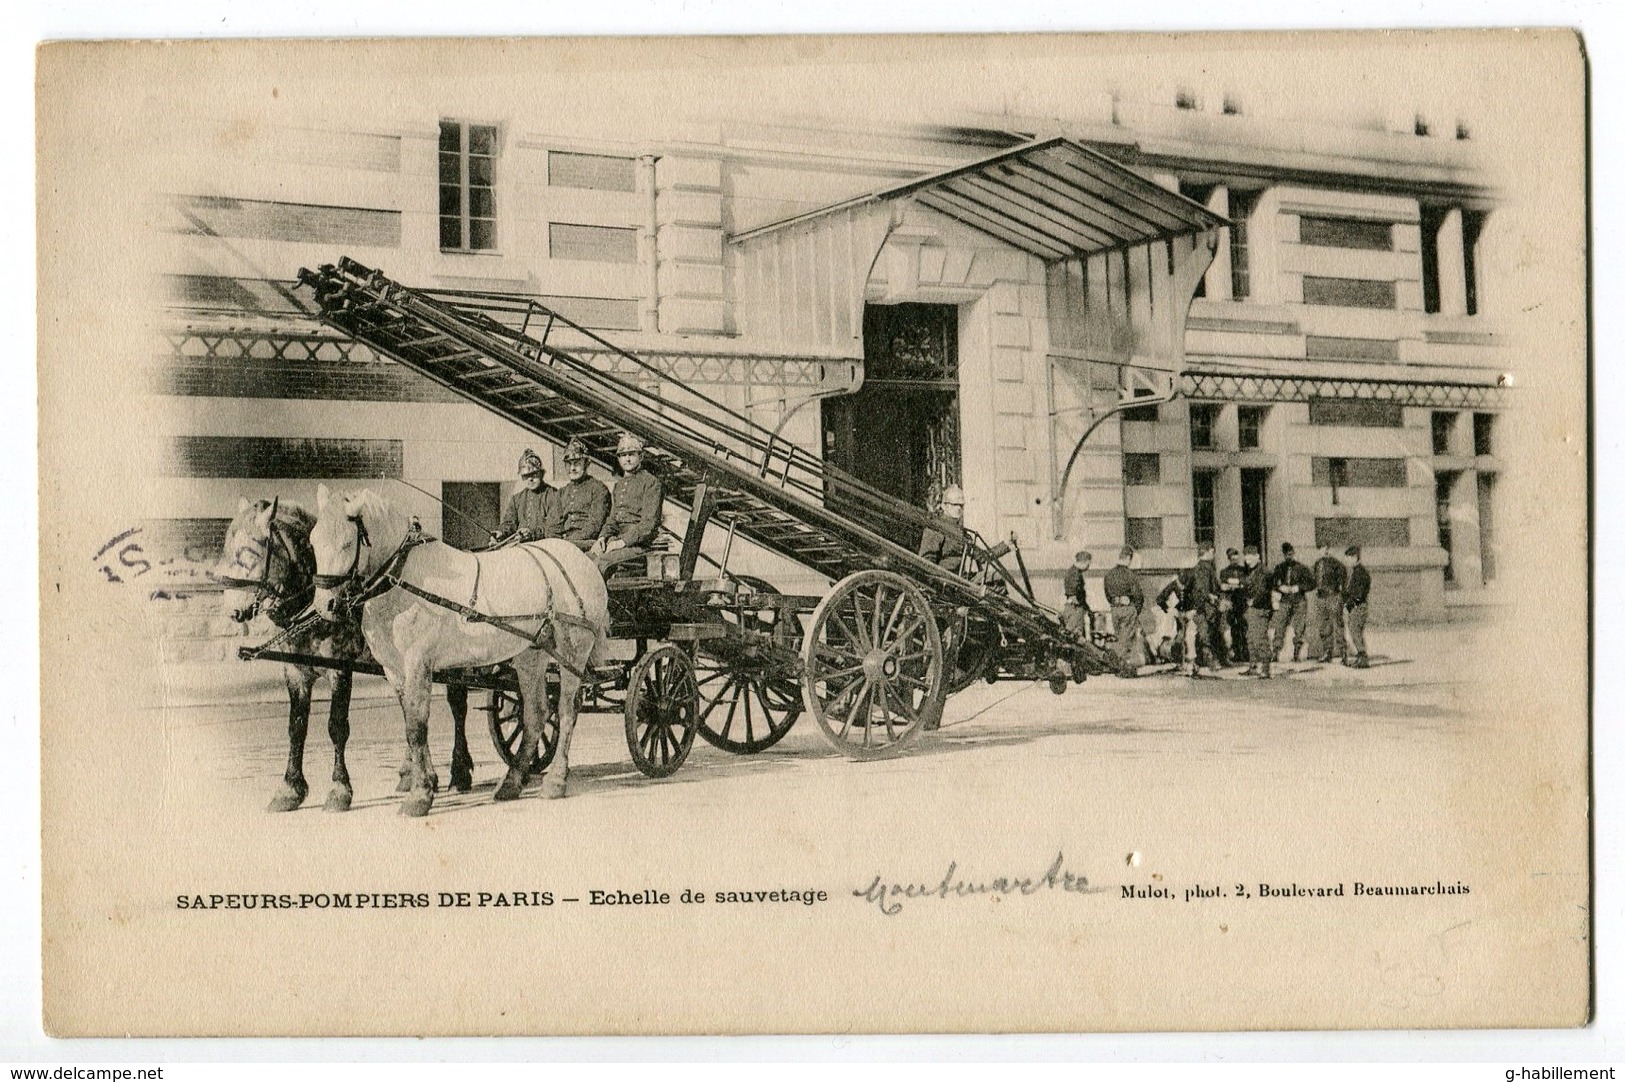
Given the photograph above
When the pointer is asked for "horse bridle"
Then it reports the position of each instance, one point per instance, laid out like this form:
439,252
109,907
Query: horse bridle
287,603
339,581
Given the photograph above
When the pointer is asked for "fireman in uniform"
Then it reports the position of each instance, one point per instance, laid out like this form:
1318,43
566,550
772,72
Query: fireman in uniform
1075,613
1327,607
1356,597
1127,599
583,502
529,514
1260,601
1233,608
1292,582
946,548
634,513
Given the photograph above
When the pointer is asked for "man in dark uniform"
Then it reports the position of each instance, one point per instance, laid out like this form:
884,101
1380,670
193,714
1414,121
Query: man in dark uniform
946,548
1127,599
583,503
634,513
1198,589
1356,596
1260,601
1327,605
530,513
1291,581
1075,613
1233,608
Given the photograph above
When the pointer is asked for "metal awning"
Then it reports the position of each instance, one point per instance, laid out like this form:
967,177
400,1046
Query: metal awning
1053,198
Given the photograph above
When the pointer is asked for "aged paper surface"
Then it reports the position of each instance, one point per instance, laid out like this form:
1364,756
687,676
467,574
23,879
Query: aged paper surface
1091,862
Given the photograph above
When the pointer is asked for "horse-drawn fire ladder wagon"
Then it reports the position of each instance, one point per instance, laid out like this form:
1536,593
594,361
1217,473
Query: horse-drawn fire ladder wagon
874,658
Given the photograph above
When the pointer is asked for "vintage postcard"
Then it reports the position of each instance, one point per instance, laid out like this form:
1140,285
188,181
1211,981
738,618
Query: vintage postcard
814,535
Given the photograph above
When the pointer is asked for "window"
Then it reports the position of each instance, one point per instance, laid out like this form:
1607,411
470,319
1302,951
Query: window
1443,425
1143,533
599,243
1483,425
599,172
1250,426
1203,483
1432,222
1142,414
1472,226
1348,292
1255,508
1142,469
1356,413
1241,209
467,186
1366,532
1204,419
1443,484
1346,233
1357,472
1486,525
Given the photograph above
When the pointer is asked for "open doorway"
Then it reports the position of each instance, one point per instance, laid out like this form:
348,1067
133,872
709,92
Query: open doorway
1254,509
900,432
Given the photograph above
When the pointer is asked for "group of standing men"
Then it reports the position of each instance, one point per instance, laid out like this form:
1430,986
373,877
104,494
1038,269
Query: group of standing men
612,527
1238,614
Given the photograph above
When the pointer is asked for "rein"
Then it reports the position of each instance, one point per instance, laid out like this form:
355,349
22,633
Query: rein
390,576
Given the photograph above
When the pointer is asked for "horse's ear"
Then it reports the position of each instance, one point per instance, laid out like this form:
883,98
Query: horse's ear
321,497
263,519
242,504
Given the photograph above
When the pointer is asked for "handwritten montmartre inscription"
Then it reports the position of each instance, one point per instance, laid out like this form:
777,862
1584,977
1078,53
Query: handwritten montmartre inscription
889,897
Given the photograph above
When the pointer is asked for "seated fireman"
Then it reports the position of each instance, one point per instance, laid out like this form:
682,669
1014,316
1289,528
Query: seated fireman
530,513
582,504
634,513
946,548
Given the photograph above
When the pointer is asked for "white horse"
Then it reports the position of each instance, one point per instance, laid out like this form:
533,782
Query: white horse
428,606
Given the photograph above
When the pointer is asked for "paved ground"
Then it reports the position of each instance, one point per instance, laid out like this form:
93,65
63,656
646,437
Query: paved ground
1414,696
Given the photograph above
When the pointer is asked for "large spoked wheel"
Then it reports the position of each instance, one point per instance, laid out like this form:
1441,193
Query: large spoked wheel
747,701
662,707
872,661
503,718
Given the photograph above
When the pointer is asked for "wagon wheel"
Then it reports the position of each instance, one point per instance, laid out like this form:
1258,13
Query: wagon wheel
873,671
508,728
745,706
661,704
969,647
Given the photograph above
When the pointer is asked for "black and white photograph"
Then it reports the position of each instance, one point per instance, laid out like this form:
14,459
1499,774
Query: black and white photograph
652,536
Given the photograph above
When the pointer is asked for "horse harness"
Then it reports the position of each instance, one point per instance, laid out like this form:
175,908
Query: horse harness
287,605
389,577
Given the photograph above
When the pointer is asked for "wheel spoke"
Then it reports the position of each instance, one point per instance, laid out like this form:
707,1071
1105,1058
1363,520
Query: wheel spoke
852,634
761,694
891,621
733,704
905,707
903,636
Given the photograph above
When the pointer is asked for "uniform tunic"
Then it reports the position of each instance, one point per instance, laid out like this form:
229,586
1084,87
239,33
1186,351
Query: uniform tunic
529,514
634,516
1075,615
1231,581
1294,610
583,508
945,549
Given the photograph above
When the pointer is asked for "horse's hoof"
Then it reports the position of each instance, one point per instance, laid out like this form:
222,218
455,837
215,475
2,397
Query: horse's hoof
554,786
287,800
338,800
511,787
418,806
462,782
404,785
